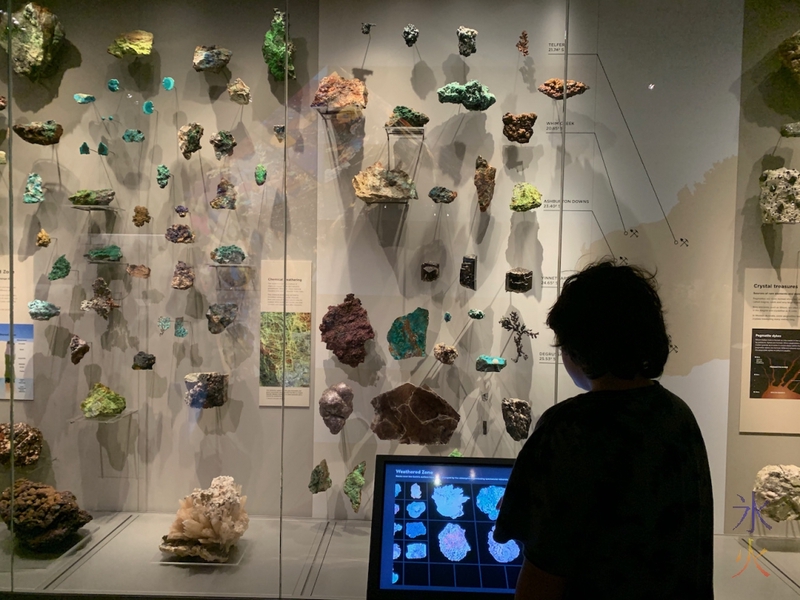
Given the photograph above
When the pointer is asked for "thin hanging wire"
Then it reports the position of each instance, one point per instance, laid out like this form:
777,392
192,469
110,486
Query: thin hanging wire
10,77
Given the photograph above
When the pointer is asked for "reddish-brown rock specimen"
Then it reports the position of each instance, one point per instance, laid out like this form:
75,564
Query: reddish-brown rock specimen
345,330
522,44
43,516
141,216
336,93
484,182
519,128
413,415
27,444
555,88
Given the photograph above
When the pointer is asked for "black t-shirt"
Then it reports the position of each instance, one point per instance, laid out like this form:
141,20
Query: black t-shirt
613,492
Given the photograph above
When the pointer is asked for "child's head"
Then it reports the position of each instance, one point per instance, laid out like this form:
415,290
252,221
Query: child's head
609,320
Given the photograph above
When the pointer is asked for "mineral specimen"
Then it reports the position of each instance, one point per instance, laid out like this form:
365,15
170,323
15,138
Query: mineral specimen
34,189
211,58
133,136
415,529
791,130
179,234
141,216
113,85
519,280
42,133
453,542
780,196
43,517
416,551
84,149
345,330
503,553
366,28
487,500
226,195
189,139
224,143
522,44
407,335
468,276
353,483
77,349
220,316
239,92
410,35
162,176
441,195
110,253
466,41
335,405
517,417
143,361
3,103
337,93
429,271
43,239
413,415
447,317
519,128
181,210
92,197
476,314
778,487
102,149
320,478
148,107
450,500
415,509
61,268
280,132
37,37
27,444
445,354
402,116
140,271
376,184
206,390
228,255
484,182
472,95
102,303
102,402
40,310
134,43
261,174
456,454
182,276
490,364
163,323
525,197
83,98
180,330
555,88
209,522
168,83
278,50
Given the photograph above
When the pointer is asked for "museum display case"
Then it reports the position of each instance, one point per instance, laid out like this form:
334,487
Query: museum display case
250,247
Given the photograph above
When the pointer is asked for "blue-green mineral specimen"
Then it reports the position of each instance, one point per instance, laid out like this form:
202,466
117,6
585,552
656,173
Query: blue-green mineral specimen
402,116
84,98
110,253
441,195
476,314
473,95
407,335
133,135
34,190
102,402
224,143
84,149
168,83
61,268
180,330
228,255
276,48
456,454
490,364
40,310
148,107
261,174
113,85
162,176
447,317
164,323
353,483
102,149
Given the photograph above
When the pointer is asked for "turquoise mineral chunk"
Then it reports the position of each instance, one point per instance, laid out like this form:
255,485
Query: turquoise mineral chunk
447,317
84,98
164,323
180,330
148,107
407,335
168,83
113,85
61,268
490,364
40,310
132,135
84,149
102,149
228,255
162,176
476,314
34,190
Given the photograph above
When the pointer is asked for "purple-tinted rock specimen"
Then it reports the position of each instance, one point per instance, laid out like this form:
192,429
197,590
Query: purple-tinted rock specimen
413,415
517,417
429,271
220,316
226,196
484,182
336,93
468,276
27,444
519,128
181,210
211,58
335,405
206,390
143,361
445,354
102,303
179,234
182,276
78,349
345,330
555,88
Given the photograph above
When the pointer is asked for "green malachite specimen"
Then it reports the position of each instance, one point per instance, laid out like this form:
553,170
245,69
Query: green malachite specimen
102,149
525,197
473,95
113,85
407,335
476,314
162,176
106,254
189,139
102,402
84,149
135,43
92,197
180,330
320,478
148,107
37,37
40,310
261,174
168,83
42,133
133,135
402,116
353,484
228,255
61,268
490,364
164,323
84,98
456,454
276,48
447,317
224,143
34,190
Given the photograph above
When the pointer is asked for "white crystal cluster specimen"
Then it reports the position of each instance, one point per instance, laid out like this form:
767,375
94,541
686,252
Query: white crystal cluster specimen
779,487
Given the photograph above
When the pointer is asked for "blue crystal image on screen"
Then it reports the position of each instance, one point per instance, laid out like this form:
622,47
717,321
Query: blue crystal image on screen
416,551
503,553
396,508
395,577
415,529
453,542
449,501
397,527
397,489
415,509
487,500
395,551
416,491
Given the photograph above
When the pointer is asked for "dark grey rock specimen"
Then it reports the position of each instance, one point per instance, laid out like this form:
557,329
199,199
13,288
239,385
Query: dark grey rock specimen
430,271
441,195
519,280
221,315
206,390
517,417
143,361
182,276
366,28
468,276
410,34
335,405
466,41
78,349
211,58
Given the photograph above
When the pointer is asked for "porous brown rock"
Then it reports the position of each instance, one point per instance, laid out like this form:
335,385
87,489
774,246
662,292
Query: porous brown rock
519,128
43,238
335,406
484,182
789,51
554,88
337,93
141,216
27,444
413,415
140,271
346,329
517,417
